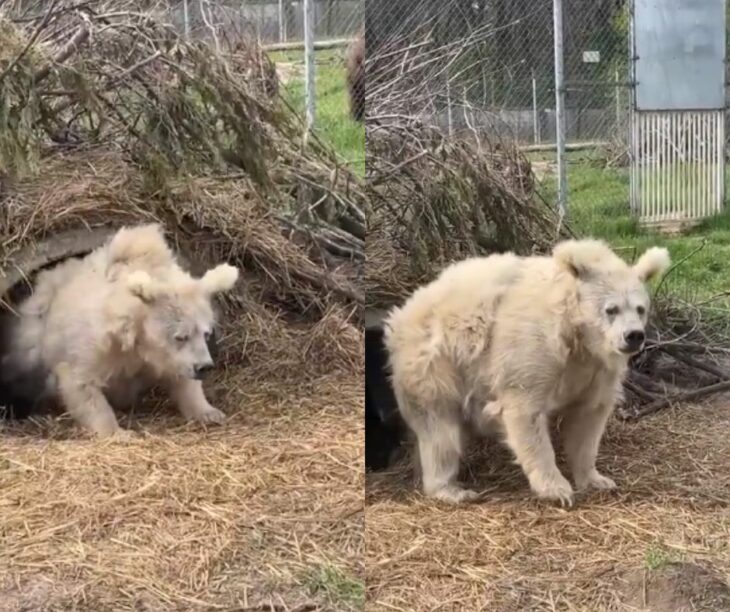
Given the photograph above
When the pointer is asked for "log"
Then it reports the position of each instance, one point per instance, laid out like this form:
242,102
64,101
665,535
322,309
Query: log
61,246
336,43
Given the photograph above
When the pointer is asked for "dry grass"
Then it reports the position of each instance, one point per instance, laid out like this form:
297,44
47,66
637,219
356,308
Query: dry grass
512,553
266,509
210,218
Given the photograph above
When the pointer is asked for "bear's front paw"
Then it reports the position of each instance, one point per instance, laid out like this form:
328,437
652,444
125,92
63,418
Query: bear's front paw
454,494
210,415
596,480
553,487
121,436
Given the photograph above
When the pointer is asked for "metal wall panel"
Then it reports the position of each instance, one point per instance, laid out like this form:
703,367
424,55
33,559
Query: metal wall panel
679,54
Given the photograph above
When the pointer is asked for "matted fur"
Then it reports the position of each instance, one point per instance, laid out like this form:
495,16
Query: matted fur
502,343
104,328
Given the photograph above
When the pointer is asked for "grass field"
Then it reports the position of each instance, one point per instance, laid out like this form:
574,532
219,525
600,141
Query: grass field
333,122
598,206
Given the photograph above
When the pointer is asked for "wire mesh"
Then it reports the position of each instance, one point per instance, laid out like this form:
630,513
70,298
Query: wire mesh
473,65
487,66
271,21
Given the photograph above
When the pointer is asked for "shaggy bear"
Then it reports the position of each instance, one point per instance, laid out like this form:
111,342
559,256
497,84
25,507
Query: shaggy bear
500,344
104,328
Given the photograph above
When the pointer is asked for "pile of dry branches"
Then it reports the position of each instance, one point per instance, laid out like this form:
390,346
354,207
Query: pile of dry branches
686,359
436,199
108,116
443,183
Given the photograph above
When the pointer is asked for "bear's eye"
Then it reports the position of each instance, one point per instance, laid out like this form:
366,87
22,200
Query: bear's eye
641,310
182,338
612,311
207,336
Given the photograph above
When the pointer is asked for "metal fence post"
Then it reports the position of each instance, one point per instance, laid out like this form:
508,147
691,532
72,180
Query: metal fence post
186,19
282,30
309,61
535,123
560,105
616,77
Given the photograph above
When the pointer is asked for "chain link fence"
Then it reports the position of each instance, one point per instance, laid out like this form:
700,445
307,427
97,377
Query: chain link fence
486,67
489,65
271,21
497,57
280,27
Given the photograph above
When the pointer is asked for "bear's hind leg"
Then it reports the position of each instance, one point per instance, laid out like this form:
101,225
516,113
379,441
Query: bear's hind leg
439,450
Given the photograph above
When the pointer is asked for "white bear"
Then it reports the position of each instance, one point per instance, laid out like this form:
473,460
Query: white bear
503,343
106,327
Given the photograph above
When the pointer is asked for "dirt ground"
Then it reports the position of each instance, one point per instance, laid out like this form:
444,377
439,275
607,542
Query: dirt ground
660,543
261,514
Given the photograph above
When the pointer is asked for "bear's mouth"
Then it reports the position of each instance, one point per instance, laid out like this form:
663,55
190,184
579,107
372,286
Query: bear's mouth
631,350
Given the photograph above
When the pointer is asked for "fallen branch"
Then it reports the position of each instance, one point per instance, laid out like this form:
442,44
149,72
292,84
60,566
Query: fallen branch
318,45
78,39
687,396
696,363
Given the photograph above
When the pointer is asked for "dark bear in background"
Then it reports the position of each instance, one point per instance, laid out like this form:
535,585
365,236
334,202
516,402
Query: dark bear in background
384,428
356,76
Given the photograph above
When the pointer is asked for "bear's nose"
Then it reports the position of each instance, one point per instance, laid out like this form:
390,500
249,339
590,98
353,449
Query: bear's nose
202,369
635,337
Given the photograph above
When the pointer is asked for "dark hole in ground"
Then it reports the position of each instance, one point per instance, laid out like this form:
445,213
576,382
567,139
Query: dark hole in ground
21,392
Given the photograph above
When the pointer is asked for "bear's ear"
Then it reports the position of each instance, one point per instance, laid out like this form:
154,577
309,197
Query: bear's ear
581,257
220,278
652,263
143,286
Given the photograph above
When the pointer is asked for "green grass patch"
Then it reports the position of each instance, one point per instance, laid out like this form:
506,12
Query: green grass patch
598,206
333,123
339,589
657,557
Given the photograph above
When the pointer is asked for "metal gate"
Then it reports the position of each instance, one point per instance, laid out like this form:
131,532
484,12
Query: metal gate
678,112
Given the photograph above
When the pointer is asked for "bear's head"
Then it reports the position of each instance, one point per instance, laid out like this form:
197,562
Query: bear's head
612,299
175,321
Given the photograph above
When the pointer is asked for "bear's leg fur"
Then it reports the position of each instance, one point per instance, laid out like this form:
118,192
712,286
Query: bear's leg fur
582,431
86,402
440,443
191,401
527,434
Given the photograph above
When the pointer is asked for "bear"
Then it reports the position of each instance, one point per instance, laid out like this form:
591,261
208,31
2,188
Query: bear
355,68
100,330
500,345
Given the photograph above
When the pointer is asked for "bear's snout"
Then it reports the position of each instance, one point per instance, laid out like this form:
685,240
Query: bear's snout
634,341
201,369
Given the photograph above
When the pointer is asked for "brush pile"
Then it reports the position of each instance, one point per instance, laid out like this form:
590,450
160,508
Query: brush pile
443,184
437,199
109,117
687,356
